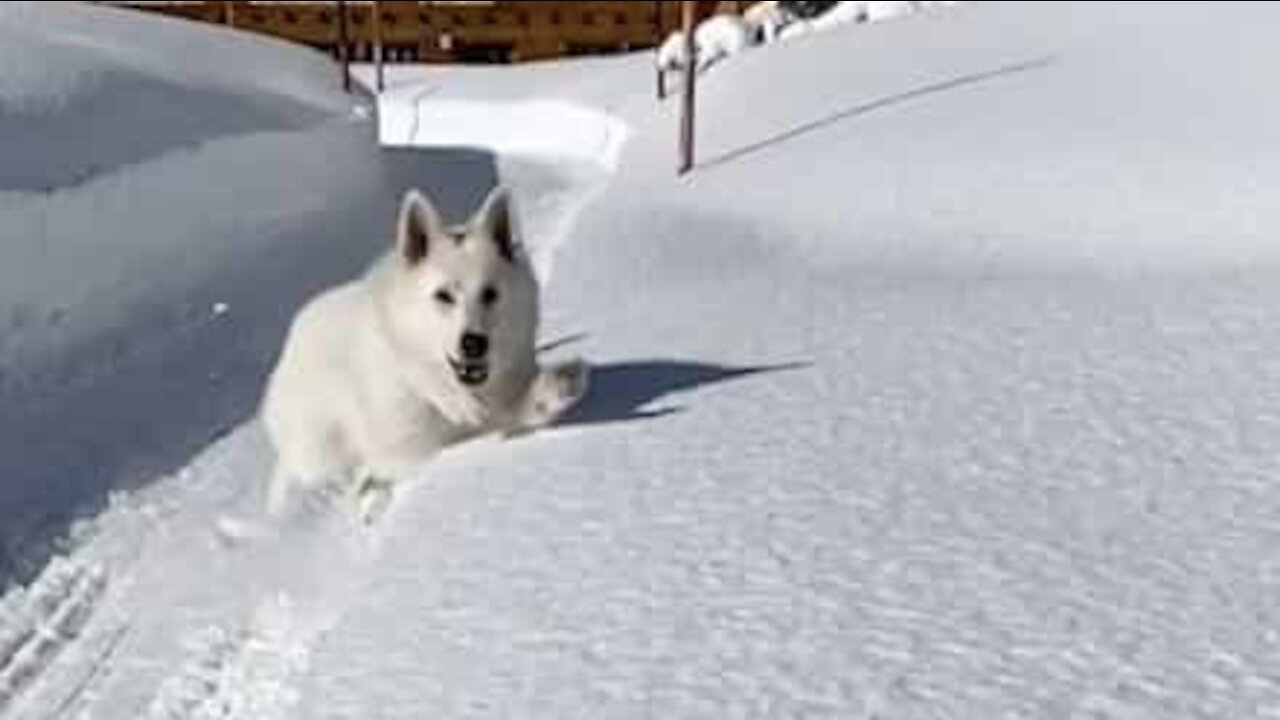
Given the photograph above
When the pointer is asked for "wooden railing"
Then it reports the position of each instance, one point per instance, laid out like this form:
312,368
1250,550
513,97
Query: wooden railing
503,31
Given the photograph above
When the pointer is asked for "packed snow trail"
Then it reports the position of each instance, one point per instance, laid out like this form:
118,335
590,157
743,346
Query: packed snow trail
37,623
194,629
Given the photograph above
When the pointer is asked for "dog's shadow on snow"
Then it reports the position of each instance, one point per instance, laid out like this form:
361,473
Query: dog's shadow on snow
644,389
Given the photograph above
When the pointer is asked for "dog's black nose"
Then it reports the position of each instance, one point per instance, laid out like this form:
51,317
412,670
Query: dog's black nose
474,346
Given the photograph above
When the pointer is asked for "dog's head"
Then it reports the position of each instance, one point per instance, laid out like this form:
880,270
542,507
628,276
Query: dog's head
466,298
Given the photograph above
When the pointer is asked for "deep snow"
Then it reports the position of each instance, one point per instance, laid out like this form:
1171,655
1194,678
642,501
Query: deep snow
944,387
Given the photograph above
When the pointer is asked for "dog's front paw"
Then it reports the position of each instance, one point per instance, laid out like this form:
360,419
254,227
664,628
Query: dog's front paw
373,497
568,383
556,390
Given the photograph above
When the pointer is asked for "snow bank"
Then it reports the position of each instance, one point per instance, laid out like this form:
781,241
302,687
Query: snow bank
80,100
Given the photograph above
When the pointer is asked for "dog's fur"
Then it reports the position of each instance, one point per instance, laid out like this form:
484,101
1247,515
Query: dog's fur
373,380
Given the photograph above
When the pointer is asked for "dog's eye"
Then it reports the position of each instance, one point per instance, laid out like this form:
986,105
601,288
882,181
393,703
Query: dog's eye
444,297
489,296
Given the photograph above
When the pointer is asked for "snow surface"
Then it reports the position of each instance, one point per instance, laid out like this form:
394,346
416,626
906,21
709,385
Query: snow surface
943,387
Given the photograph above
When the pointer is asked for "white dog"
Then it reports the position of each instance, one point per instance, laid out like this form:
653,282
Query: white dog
434,345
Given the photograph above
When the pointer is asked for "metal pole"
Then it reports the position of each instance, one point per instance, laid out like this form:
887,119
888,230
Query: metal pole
377,43
688,103
344,46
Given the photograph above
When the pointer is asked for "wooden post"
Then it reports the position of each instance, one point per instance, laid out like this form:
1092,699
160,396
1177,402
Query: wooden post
661,75
426,40
344,46
377,44
229,12
688,102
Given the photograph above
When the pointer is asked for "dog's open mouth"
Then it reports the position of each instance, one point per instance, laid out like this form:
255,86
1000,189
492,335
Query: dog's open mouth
470,373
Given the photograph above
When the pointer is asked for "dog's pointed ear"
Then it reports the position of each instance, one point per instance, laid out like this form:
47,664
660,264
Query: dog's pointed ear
495,219
417,227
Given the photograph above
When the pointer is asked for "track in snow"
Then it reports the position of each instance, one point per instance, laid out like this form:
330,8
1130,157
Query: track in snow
39,623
